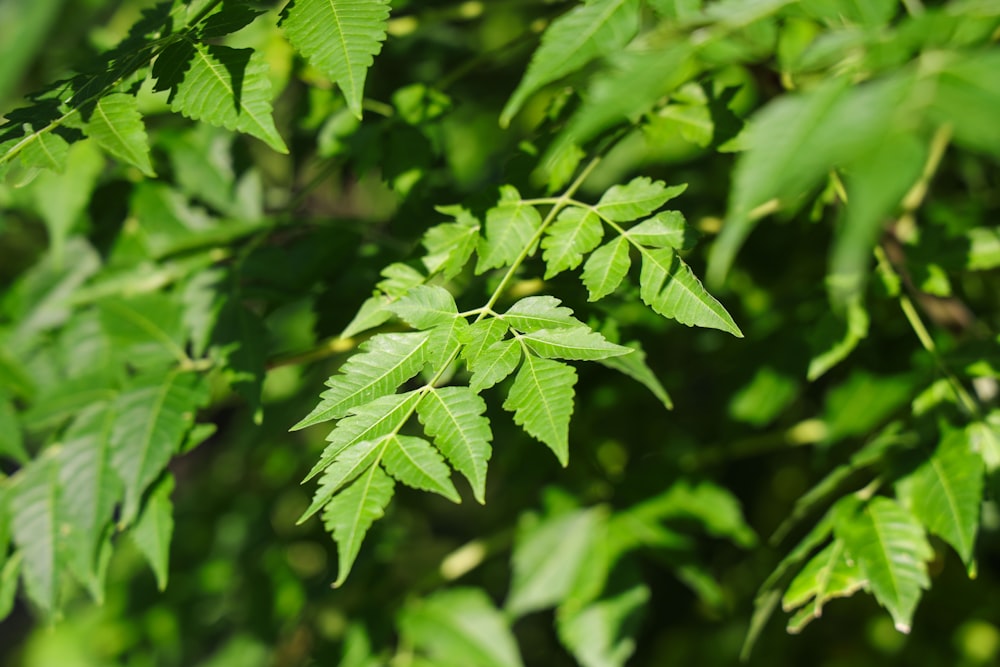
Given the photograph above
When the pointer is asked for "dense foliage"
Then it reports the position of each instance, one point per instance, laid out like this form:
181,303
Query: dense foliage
485,226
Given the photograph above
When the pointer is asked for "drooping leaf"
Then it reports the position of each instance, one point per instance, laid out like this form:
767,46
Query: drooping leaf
605,268
426,306
581,343
493,365
154,529
414,462
35,524
946,492
340,38
451,244
349,463
370,421
228,87
454,418
116,125
510,228
586,32
640,196
541,399
351,513
829,574
90,486
548,556
891,550
153,414
669,287
534,313
460,626
575,232
386,361
634,365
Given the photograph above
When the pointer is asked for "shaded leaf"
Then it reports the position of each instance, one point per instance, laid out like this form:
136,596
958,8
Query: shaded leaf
451,244
239,338
454,418
634,365
460,626
510,228
425,306
586,32
154,529
372,313
414,462
351,513
116,125
35,525
598,634
349,463
829,574
541,399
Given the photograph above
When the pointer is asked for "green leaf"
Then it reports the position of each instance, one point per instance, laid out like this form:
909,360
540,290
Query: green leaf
548,556
599,634
351,513
891,550
67,398
11,438
386,361
796,141
829,574
459,627
575,232
425,306
541,399
640,196
454,418
90,487
154,529
372,313
9,573
116,125
46,151
229,88
946,492
581,343
414,462
715,508
36,524
493,365
451,244
534,313
666,229
510,228
586,32
669,287
371,421
146,330
340,38
634,365
966,96
606,268
349,463
399,279
239,338
154,413
481,336
836,347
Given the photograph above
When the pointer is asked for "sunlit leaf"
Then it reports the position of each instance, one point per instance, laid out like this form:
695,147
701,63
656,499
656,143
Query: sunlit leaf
351,513
154,529
541,399
669,287
414,462
454,418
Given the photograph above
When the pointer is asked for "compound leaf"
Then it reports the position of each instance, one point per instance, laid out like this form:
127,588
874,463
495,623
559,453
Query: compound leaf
534,313
541,399
605,268
351,513
228,87
588,31
668,286
426,306
340,38
496,363
575,232
454,418
116,125
640,196
349,463
451,244
414,462
481,336
666,229
386,361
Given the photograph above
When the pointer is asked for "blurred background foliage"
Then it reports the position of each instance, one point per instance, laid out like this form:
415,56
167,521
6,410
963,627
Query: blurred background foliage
302,237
